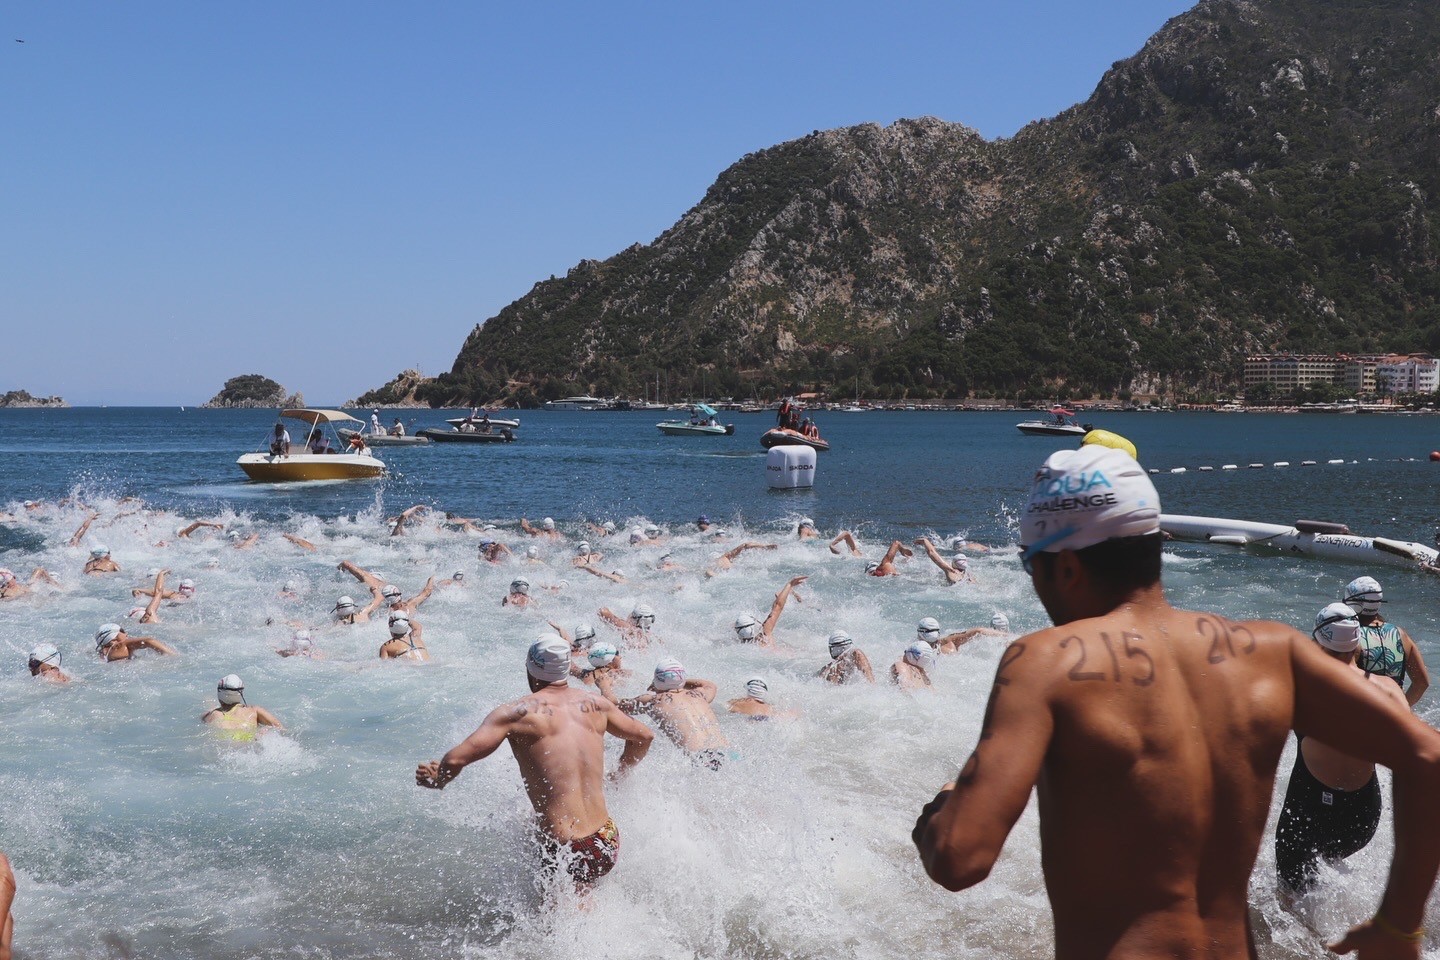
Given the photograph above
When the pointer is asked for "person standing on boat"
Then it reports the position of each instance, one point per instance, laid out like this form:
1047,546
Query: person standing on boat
375,430
1385,648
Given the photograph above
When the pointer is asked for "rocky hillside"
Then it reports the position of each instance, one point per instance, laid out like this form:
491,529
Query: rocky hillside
399,392
20,398
253,390
1262,175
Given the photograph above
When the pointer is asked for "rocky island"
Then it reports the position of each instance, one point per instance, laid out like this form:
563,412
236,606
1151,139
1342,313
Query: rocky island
399,392
20,398
251,390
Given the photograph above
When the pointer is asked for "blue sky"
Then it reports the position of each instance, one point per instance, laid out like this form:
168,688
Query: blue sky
328,192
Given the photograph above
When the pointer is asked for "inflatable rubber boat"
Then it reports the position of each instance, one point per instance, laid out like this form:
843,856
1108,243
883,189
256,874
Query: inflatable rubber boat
1308,538
779,436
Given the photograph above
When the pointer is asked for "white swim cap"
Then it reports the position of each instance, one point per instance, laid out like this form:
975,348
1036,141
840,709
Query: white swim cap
399,624
960,562
549,659
302,640
290,586
6,576
548,523
583,632
872,566
1337,628
232,534
107,635
746,628
520,585
99,551
669,675
390,592
807,522
230,690
642,615
1365,595
1087,496
920,654
958,544
344,603
44,653
637,536
532,553
1000,622
840,642
928,630
652,531
608,526
582,548
458,576
602,654
187,586
757,689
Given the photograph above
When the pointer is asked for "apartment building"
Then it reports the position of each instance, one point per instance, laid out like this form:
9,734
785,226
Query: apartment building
1360,375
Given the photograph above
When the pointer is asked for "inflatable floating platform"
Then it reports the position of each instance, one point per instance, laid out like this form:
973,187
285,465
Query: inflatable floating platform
1308,538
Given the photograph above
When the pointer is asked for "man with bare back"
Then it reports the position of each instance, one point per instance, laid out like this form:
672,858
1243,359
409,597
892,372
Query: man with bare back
1152,735
557,735
681,706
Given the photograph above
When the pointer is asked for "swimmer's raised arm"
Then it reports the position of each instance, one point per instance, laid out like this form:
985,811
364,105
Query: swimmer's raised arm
960,833
484,741
84,528
564,634
704,688
847,538
1343,711
186,531
605,613
152,608
778,607
525,525
298,541
363,575
400,521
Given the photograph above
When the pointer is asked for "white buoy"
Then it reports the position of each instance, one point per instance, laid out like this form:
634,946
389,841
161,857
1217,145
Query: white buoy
1333,462
1230,466
1177,469
1206,469
1282,463
1256,466
1152,471
790,467
1307,463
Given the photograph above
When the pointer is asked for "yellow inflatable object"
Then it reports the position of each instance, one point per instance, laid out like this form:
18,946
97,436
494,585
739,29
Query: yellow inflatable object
1105,438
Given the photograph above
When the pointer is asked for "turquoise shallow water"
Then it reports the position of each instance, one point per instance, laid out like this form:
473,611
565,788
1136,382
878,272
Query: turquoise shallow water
134,834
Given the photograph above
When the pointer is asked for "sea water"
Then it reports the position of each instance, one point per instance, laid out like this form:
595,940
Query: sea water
135,834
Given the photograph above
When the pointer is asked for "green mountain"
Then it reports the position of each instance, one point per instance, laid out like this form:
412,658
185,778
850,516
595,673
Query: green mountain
1261,176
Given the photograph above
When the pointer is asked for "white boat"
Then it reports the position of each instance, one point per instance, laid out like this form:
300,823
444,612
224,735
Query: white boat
701,423
479,421
1307,538
381,439
851,408
575,403
275,466
1062,423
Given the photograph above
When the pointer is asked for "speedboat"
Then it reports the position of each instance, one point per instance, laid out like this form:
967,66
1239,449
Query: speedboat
473,435
583,402
1062,423
381,439
779,437
317,458
701,423
480,421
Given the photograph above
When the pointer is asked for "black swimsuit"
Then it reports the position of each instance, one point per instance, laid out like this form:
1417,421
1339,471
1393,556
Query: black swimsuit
1320,821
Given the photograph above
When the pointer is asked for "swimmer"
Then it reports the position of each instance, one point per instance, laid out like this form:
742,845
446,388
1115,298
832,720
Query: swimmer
702,523
100,561
756,702
666,562
1385,648
614,576
886,566
466,524
654,535
12,589
347,614
584,555
1332,804
579,640
519,595
371,582
456,579
603,664
83,529
184,532
1155,760
805,530
492,551
953,570
636,630
398,523
45,662
113,643
847,661
157,595
407,640
235,719
747,630
302,644
847,538
392,596
242,540
680,706
961,545
603,530
546,529
952,642
300,542
912,670
532,555
727,559
557,736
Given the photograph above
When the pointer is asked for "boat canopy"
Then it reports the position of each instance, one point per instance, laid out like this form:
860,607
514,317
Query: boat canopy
705,410
313,417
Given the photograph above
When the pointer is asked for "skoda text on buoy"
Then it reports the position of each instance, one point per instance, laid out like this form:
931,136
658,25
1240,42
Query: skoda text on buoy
790,467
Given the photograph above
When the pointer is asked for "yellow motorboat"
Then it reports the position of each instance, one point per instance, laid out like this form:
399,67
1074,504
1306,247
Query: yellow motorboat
320,457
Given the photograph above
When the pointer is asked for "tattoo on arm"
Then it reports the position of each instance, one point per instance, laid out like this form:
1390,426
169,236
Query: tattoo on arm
1012,653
